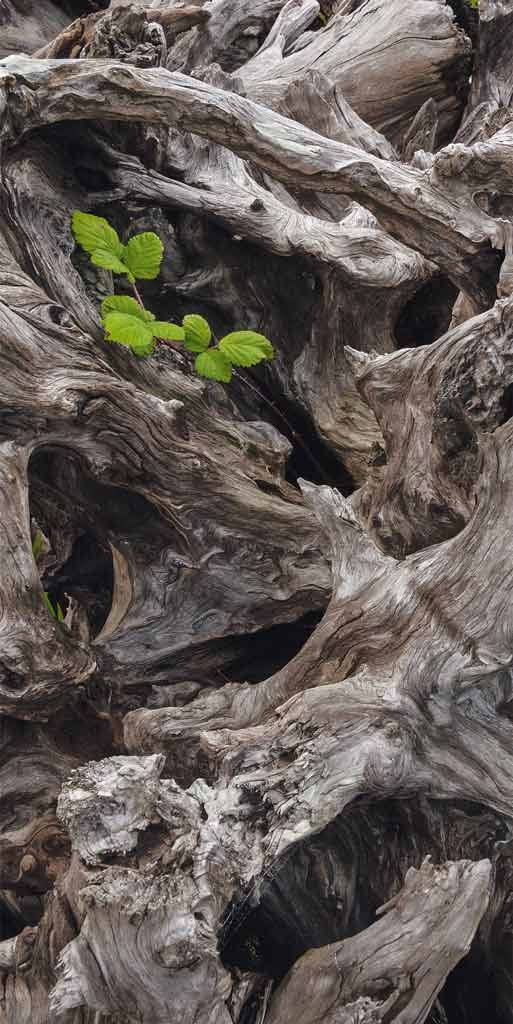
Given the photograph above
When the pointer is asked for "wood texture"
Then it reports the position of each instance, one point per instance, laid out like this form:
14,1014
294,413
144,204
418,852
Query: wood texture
263,771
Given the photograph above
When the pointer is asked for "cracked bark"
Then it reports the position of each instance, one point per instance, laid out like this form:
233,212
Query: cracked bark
264,771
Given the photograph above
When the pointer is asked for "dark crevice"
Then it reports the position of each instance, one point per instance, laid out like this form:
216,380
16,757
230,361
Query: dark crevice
469,995
269,650
11,923
427,315
250,657
18,912
87,576
85,731
507,403
91,176
311,458
458,73
79,8
331,886
467,18
81,518
314,459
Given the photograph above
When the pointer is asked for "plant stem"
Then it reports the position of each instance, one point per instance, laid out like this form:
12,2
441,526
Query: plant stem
175,345
138,297
297,437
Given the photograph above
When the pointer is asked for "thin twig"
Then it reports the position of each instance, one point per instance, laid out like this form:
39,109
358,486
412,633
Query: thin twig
297,437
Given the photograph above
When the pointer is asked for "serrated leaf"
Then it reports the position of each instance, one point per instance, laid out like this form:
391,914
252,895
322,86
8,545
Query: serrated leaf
108,260
246,348
94,233
197,332
125,304
130,331
143,255
170,332
214,365
38,546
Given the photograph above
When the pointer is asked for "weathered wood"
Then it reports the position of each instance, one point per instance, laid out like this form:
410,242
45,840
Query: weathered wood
492,87
441,223
377,740
231,35
354,259
80,396
23,29
383,973
373,42
269,703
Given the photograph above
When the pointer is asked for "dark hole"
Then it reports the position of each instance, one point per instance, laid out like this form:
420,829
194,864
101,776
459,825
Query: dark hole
81,519
469,995
92,177
11,923
73,512
87,575
507,403
311,458
427,315
249,658
18,912
365,855
57,315
467,17
13,680
499,205
77,8
327,9
259,394
269,650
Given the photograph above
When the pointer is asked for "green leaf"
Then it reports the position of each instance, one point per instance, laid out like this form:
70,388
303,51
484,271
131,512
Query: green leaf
143,255
94,233
49,604
38,546
108,260
171,332
246,348
125,304
100,240
55,609
214,365
197,333
130,331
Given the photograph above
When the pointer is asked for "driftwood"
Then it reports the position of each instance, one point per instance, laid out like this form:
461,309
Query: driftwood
263,772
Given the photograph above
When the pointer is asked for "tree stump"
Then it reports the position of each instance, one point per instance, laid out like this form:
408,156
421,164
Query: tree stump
262,772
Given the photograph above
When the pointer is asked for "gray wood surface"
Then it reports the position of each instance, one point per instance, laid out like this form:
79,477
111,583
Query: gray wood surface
263,773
